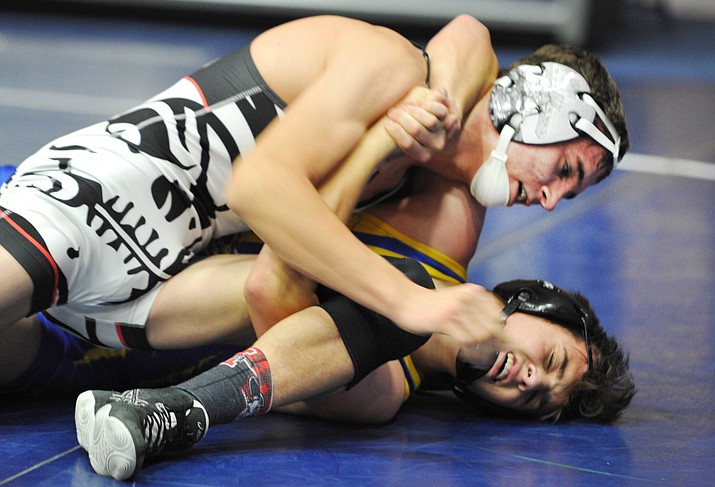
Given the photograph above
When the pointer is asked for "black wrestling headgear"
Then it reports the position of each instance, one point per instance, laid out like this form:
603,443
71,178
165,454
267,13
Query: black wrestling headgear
543,299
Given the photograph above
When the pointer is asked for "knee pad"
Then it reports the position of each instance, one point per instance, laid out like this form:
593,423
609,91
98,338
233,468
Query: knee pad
370,338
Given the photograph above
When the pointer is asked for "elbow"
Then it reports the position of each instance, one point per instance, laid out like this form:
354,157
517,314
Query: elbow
255,290
237,193
244,189
477,32
472,25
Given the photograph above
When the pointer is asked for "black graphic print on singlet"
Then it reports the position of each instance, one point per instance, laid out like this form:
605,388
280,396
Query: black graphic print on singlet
259,112
110,220
175,131
155,136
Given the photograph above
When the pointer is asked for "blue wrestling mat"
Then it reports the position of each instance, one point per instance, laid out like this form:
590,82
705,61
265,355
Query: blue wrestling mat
640,245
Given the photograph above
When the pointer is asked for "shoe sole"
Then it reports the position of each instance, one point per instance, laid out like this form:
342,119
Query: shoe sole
84,418
107,440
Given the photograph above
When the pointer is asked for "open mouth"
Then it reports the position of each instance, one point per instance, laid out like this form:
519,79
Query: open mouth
521,195
505,367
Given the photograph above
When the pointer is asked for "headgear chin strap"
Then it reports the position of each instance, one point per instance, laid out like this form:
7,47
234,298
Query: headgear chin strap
538,105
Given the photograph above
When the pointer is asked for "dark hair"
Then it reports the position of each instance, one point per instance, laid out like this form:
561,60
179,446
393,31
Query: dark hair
605,390
603,89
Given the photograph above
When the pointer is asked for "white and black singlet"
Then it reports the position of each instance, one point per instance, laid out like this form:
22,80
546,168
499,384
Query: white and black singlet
101,217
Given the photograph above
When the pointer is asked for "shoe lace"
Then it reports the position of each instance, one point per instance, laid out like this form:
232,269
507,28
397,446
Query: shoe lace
160,427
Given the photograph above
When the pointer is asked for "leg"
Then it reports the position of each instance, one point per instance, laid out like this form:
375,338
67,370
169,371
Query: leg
16,333
374,400
15,289
65,365
274,291
24,336
308,358
109,425
203,304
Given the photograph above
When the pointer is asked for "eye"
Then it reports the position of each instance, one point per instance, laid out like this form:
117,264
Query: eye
565,171
550,363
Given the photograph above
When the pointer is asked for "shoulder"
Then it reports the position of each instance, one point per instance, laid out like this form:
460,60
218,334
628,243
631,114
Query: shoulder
305,49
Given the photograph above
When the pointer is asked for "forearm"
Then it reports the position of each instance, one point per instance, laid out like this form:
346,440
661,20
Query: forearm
326,250
342,262
275,290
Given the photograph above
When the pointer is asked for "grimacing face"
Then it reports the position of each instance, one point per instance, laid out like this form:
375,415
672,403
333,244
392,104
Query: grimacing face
543,175
537,369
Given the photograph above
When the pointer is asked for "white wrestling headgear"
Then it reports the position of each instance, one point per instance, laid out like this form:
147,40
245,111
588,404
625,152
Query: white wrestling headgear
538,105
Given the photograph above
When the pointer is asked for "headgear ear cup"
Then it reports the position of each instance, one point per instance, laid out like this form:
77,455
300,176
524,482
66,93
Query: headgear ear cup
490,185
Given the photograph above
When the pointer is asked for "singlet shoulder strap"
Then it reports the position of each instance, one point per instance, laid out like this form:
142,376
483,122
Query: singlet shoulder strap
426,56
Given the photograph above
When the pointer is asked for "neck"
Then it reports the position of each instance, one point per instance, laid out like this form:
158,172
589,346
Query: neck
437,358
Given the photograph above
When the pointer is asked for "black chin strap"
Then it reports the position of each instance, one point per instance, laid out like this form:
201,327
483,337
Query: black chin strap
513,304
468,373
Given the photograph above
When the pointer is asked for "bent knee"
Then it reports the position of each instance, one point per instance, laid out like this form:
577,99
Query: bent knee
16,290
19,345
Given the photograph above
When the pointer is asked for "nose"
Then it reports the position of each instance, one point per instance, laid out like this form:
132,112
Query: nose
532,378
551,195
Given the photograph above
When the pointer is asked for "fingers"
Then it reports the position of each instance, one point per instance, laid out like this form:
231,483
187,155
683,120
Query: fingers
468,313
414,141
478,320
422,128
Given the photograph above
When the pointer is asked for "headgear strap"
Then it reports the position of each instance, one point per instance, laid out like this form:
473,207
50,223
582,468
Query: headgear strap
547,104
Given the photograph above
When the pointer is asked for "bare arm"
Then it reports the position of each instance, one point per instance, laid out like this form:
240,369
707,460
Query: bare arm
274,189
274,290
464,66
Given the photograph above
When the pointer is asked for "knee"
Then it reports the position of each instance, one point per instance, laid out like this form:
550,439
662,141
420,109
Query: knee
19,346
257,292
16,289
273,292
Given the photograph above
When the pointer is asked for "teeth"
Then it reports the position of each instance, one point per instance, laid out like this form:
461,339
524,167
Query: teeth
522,194
507,367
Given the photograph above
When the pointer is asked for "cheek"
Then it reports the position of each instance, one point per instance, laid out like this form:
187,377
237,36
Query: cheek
497,395
533,166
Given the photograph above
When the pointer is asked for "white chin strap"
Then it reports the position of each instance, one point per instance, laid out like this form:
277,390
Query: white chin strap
490,186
